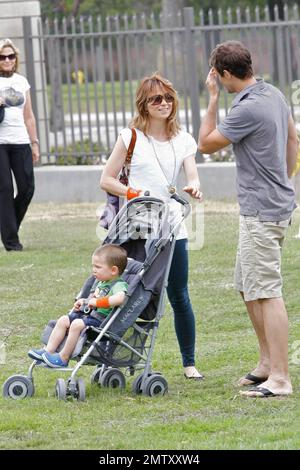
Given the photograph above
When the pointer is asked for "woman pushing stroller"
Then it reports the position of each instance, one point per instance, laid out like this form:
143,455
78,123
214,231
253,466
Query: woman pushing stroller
109,262
160,151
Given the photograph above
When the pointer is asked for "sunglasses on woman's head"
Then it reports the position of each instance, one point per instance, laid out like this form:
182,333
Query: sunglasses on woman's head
9,56
157,99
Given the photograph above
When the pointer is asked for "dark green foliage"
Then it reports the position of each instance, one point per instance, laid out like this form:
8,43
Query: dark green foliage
104,8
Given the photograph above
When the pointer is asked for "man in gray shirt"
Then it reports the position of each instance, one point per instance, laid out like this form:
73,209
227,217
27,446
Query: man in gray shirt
262,132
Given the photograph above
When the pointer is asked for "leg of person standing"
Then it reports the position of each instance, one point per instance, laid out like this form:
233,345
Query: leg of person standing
8,223
183,313
260,248
22,167
16,159
261,372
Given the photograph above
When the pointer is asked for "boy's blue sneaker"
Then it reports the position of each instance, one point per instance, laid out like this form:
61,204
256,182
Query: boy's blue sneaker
36,354
54,360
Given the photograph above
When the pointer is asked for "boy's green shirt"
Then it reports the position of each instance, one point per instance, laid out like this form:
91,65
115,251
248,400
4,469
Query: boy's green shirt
107,288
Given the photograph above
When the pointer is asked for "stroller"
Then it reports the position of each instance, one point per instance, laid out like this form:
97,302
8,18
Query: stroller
126,338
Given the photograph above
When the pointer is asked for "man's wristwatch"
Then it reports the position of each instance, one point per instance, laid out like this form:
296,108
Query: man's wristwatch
36,141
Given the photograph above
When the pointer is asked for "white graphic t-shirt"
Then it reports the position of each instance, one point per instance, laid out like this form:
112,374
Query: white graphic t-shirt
13,91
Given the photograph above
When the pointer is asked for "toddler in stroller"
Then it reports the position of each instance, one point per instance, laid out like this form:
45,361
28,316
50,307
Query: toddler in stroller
109,262
126,337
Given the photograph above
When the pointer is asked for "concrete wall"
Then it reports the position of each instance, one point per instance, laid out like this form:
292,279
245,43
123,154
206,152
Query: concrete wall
81,183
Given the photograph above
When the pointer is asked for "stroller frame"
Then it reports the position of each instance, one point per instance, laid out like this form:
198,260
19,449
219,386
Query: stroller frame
148,382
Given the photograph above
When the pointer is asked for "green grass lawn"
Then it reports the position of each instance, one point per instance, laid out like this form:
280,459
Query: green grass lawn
113,95
40,284
83,96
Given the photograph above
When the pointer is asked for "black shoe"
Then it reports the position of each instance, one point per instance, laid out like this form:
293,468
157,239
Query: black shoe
17,247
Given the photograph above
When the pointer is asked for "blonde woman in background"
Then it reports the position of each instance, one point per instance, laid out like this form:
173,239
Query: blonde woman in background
19,146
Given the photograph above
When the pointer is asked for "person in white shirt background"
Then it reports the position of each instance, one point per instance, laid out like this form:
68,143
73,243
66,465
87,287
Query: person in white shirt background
19,146
160,151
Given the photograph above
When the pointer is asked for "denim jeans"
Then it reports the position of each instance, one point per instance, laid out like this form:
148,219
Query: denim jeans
179,298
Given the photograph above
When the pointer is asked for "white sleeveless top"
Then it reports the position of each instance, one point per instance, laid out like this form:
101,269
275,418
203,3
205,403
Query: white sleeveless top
146,173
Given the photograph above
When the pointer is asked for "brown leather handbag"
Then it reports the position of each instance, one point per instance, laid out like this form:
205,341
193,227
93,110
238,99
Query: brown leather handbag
113,202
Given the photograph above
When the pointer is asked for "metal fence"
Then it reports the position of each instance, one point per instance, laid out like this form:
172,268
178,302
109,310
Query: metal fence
91,69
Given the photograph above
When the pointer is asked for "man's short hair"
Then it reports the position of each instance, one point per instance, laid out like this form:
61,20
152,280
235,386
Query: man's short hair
234,57
114,255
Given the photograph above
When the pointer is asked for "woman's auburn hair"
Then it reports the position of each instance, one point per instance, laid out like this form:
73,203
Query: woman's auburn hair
146,88
4,43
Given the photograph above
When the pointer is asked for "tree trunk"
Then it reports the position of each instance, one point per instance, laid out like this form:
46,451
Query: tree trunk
170,9
171,43
76,7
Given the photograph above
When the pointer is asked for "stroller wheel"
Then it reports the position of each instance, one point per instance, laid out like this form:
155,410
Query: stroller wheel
80,389
18,387
60,389
136,384
155,385
113,378
95,377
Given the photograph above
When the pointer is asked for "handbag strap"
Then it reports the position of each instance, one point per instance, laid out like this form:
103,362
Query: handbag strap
130,148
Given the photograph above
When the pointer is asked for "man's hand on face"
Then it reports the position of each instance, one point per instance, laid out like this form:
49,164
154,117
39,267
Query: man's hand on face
213,84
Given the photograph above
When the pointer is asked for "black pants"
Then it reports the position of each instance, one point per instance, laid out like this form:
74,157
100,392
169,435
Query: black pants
16,159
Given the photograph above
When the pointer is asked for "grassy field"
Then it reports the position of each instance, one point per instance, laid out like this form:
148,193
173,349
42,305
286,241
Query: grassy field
40,284
83,96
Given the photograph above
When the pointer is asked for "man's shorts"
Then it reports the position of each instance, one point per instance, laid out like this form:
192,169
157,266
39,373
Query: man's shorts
258,260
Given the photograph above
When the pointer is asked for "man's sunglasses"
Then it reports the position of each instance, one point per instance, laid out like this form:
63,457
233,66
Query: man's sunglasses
156,100
9,56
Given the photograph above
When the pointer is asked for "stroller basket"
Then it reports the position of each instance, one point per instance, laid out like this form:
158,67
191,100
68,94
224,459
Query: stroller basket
122,352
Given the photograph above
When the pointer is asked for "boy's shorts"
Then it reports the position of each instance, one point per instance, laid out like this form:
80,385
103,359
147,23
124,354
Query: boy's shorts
87,319
258,260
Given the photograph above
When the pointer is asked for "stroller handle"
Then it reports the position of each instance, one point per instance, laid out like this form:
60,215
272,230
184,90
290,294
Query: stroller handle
184,202
179,199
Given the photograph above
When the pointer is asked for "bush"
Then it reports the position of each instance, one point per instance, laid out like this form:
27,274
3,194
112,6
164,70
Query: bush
225,155
79,153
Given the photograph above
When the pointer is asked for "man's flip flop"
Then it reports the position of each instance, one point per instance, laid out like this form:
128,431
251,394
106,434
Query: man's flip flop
263,393
253,380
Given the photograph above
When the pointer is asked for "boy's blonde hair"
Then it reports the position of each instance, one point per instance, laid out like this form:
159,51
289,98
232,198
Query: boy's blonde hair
114,255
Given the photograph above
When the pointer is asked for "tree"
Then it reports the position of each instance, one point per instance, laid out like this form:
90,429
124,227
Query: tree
169,19
60,7
104,8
